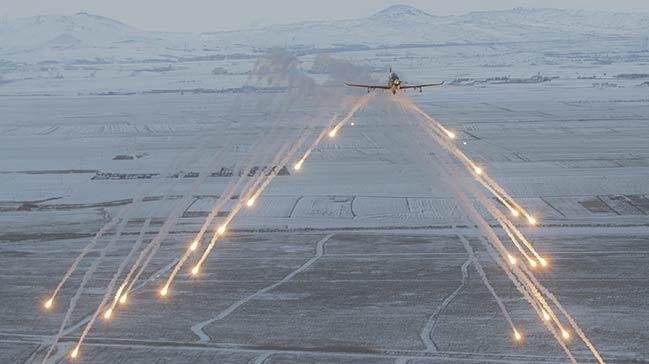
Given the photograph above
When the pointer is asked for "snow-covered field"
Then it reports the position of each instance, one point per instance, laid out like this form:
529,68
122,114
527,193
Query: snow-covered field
357,257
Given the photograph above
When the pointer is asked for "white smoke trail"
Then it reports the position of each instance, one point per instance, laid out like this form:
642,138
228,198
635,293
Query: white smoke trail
218,205
474,169
82,285
108,226
276,66
253,185
483,277
135,248
179,208
565,313
508,225
238,207
525,287
111,286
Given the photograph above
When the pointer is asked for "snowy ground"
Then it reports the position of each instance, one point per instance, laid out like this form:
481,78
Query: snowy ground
353,259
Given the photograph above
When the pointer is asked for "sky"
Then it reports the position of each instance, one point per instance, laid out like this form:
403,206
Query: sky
214,15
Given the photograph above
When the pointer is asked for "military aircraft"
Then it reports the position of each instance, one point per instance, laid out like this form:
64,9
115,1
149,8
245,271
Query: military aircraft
394,85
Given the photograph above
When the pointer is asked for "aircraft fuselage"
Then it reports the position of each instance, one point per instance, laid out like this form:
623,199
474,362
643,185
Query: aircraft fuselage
394,83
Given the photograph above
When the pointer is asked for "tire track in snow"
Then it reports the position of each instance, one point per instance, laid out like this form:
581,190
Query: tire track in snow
483,275
198,328
426,334
261,359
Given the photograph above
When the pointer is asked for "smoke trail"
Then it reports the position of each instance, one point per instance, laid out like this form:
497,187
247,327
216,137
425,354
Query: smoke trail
294,78
166,227
90,272
236,209
277,65
531,286
103,252
218,205
82,285
317,141
111,285
86,249
273,68
256,195
137,199
357,106
284,161
252,184
136,246
483,277
490,185
507,225
519,281
483,178
340,71
92,244
565,313
521,286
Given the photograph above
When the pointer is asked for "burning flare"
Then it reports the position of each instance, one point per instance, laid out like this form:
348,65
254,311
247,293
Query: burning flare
250,202
543,262
221,229
517,335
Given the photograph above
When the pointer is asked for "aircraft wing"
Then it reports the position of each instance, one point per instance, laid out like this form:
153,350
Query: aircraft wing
371,87
405,87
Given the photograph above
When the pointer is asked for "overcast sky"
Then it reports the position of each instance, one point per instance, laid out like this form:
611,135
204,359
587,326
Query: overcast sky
211,15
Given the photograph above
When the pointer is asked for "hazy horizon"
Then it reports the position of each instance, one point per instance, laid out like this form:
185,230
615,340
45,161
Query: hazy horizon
206,16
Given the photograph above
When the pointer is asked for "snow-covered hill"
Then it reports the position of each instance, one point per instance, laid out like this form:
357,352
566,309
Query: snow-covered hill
81,36
86,36
60,31
402,24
